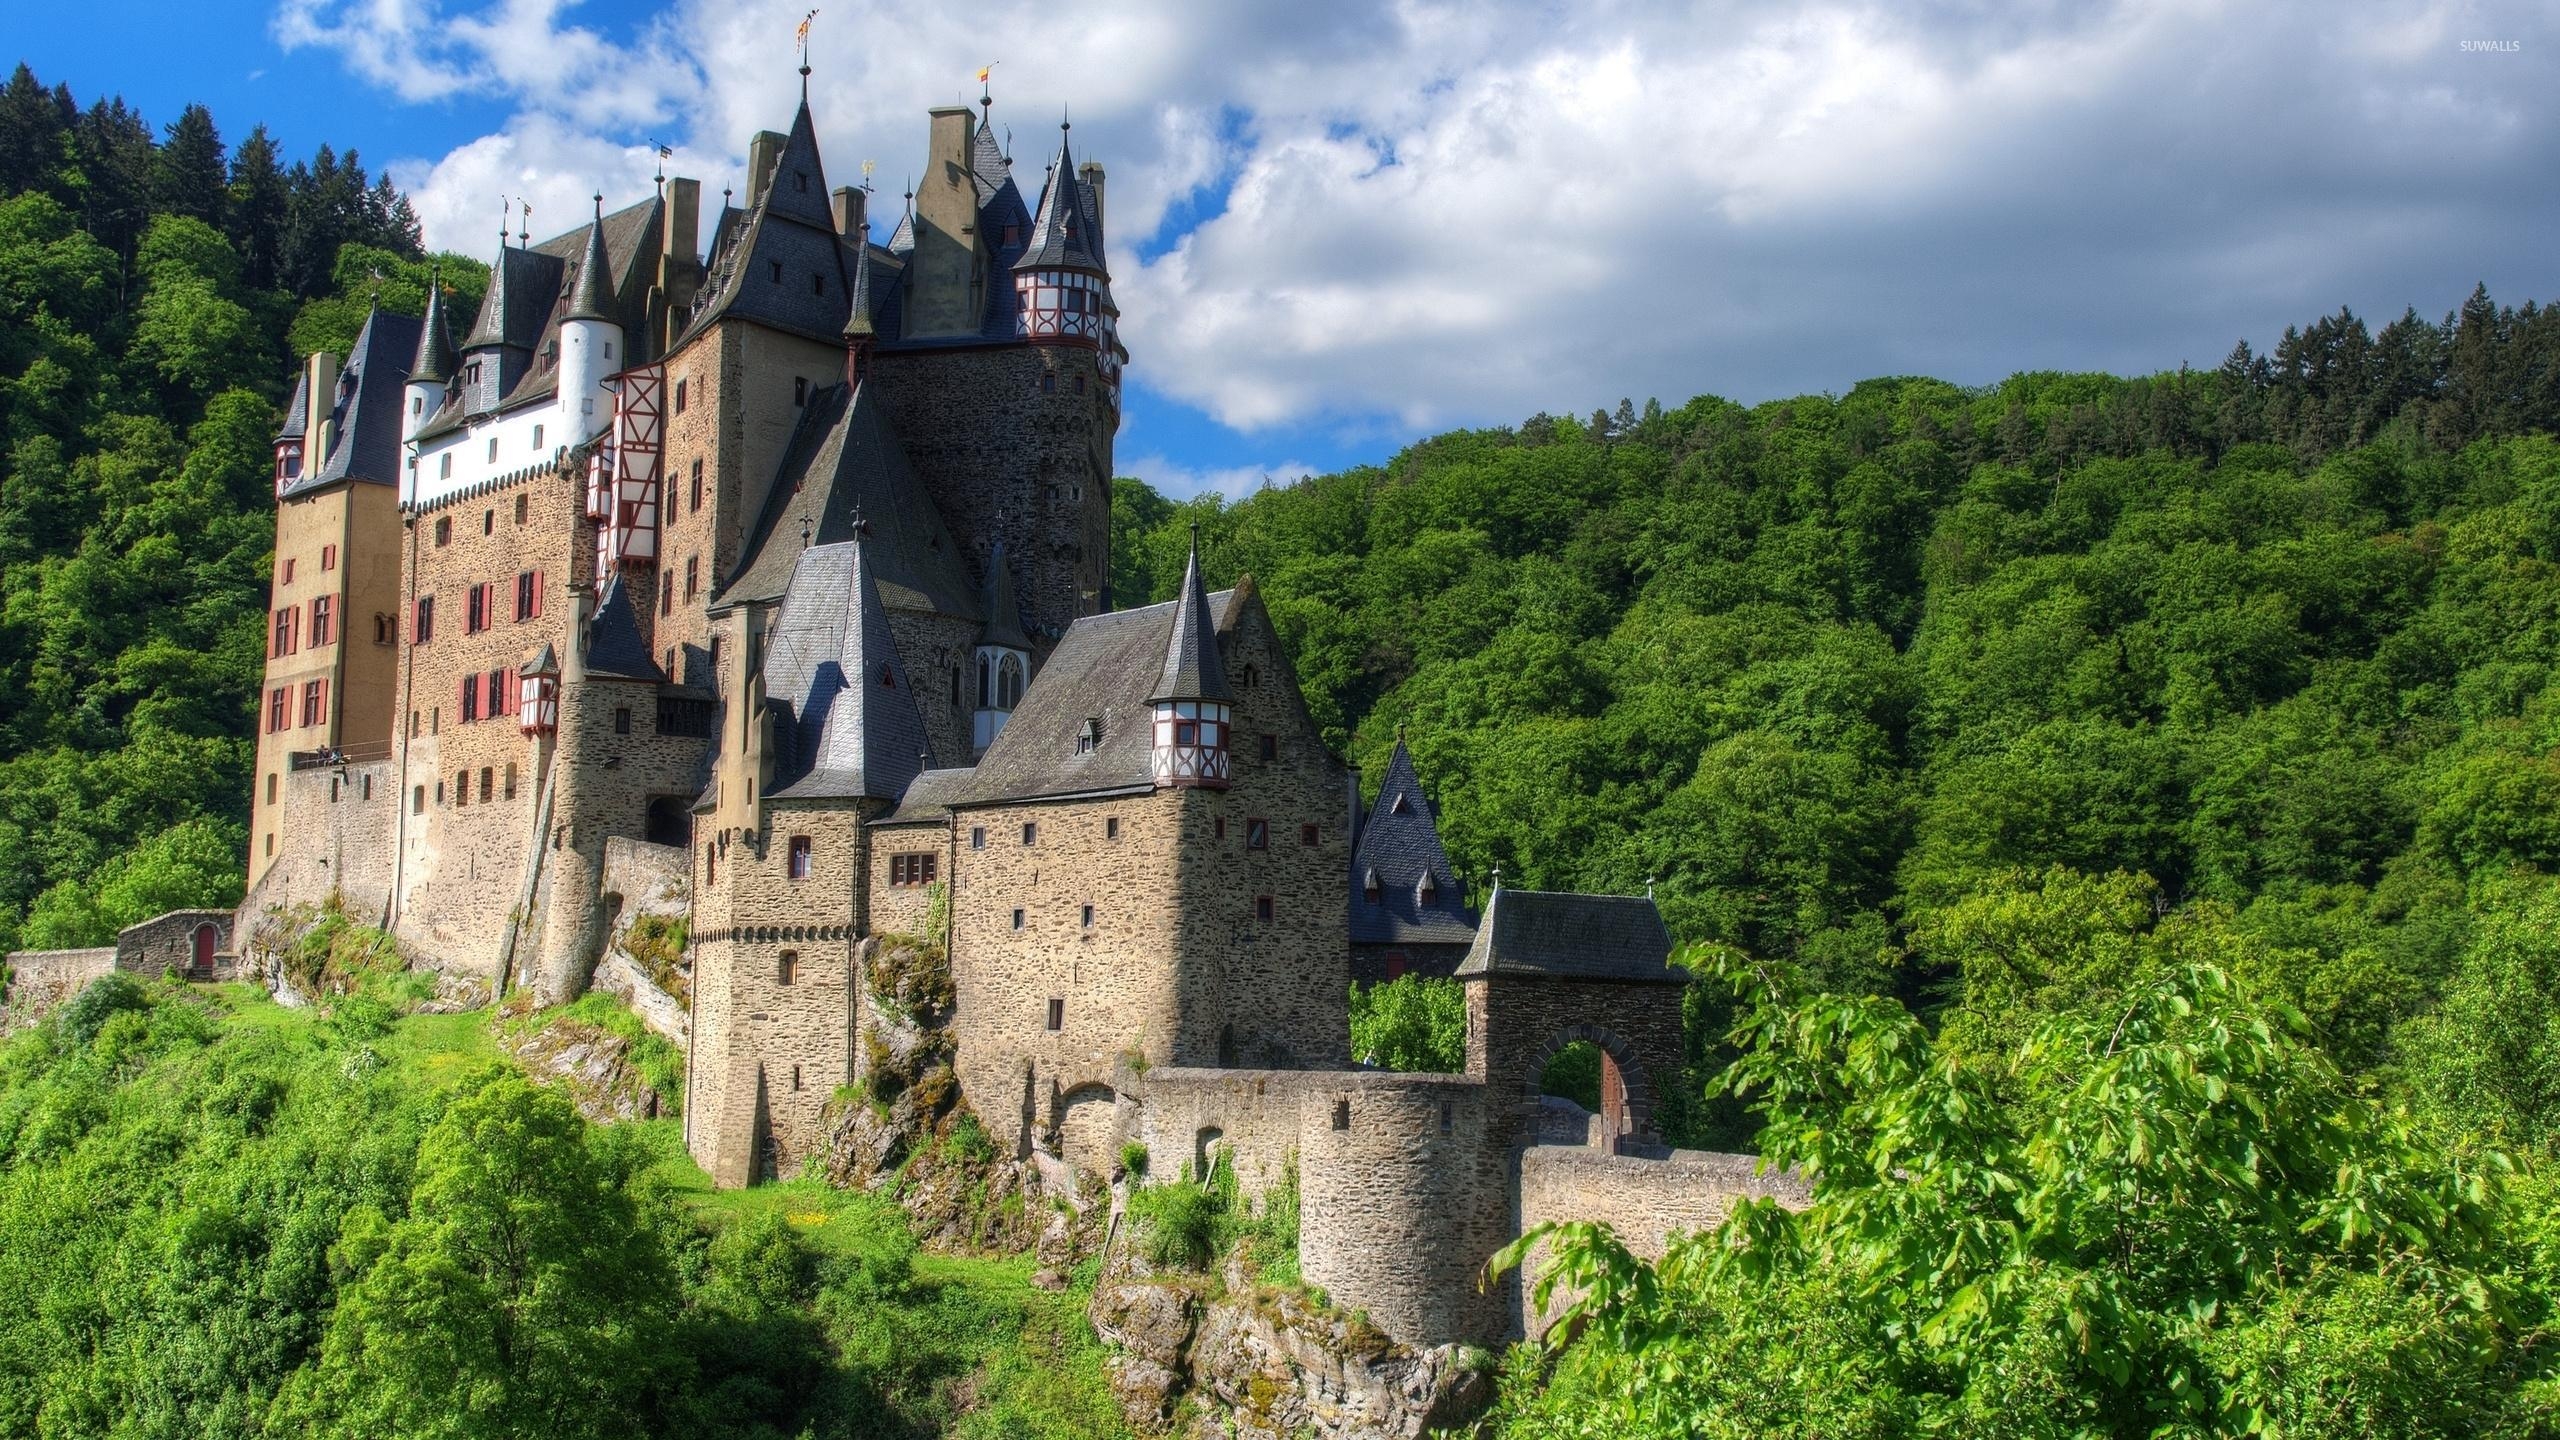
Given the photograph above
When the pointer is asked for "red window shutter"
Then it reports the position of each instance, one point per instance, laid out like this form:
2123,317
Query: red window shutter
537,593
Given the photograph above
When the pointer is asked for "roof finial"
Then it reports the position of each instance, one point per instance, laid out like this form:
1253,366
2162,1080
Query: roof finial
1648,887
524,224
804,54
1497,879
599,207
1399,732
505,206
804,532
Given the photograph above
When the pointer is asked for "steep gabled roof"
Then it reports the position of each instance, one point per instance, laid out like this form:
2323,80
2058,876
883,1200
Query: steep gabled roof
591,293
297,412
1400,843
988,167
846,722
366,411
845,462
1103,668
1192,669
1580,937
523,286
615,647
783,265
1059,238
928,799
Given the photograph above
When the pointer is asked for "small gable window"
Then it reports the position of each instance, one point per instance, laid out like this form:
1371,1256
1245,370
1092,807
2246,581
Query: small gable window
1370,889
1426,891
818,284
1398,807
1089,738
888,677
776,270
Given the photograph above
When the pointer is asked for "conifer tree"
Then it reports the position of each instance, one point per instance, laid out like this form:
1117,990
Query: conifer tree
188,175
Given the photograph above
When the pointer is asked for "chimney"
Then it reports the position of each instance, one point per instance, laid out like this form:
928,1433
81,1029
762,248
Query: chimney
320,418
763,153
945,262
1091,173
851,212
684,221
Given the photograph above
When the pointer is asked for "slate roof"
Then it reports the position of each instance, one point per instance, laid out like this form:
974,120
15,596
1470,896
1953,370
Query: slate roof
366,418
842,461
846,723
929,798
791,226
1003,612
591,293
989,168
434,361
297,411
1582,937
1400,843
1192,669
516,332
1062,235
1105,666
615,648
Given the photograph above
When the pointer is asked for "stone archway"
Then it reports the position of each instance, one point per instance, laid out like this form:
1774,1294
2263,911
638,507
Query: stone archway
1626,1091
1085,1122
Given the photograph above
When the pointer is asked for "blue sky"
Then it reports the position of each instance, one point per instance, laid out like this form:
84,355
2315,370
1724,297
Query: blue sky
1336,227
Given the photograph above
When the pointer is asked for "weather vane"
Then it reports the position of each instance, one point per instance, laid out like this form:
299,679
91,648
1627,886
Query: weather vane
804,40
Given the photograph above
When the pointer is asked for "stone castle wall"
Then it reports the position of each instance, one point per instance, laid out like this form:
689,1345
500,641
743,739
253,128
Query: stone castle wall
906,909
1015,441
167,943
41,980
341,824
1644,1200
474,787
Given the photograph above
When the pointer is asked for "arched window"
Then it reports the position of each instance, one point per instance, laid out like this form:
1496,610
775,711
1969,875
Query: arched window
986,684
1009,682
1371,890
786,967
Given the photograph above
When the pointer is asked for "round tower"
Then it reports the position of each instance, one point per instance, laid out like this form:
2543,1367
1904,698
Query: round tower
590,341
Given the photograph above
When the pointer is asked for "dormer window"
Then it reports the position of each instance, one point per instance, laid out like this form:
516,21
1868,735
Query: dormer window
1371,890
1426,891
776,266
1089,738
1399,807
800,181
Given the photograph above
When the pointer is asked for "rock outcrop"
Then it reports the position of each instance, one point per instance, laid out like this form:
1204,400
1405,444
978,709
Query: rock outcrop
1270,1363
592,1064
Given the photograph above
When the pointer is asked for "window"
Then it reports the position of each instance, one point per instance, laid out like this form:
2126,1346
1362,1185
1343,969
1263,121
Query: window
271,788
1262,908
444,466
537,437
444,531
799,389
1306,834
1088,917
1089,738
1013,234
1017,918
680,387
493,449
1220,826
1057,1013
1448,1114
622,720
912,869
470,698
1111,828
1186,732
1342,1113
417,799
486,789
528,595
314,694
283,642
667,606
1257,834
1030,832
364,787
799,862
795,1084
521,508
786,967
776,269
381,629
324,619
425,628
1371,890
818,284
1426,891
1048,384
1270,748
1399,807
477,618
509,789
328,557
977,837
489,518
288,571
697,489
500,694
692,575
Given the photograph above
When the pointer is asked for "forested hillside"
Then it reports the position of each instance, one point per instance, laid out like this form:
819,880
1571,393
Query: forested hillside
155,289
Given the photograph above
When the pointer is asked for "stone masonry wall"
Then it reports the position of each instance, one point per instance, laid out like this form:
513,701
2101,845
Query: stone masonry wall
168,942
342,822
939,654
1015,440
905,909
40,980
772,1045
1114,977
463,853
613,765
1644,1200
1517,1023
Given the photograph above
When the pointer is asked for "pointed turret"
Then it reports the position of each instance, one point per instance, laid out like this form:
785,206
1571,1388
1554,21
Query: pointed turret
431,369
988,165
1192,715
591,297
1061,291
855,729
588,340
1004,654
858,333
1059,238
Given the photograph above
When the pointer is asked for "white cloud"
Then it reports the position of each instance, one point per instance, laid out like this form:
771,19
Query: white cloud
1440,212
1235,482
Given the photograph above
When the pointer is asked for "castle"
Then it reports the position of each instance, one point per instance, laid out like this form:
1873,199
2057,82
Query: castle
783,559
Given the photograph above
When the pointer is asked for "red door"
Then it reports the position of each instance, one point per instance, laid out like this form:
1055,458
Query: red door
204,950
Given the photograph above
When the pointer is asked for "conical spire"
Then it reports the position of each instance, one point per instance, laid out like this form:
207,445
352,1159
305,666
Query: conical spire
592,299
1193,669
798,187
857,323
434,362
1004,615
988,166
856,728
1057,240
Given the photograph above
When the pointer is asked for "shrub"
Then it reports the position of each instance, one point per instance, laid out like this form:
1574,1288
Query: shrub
100,1001
1133,1159
1410,1023
1187,1224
